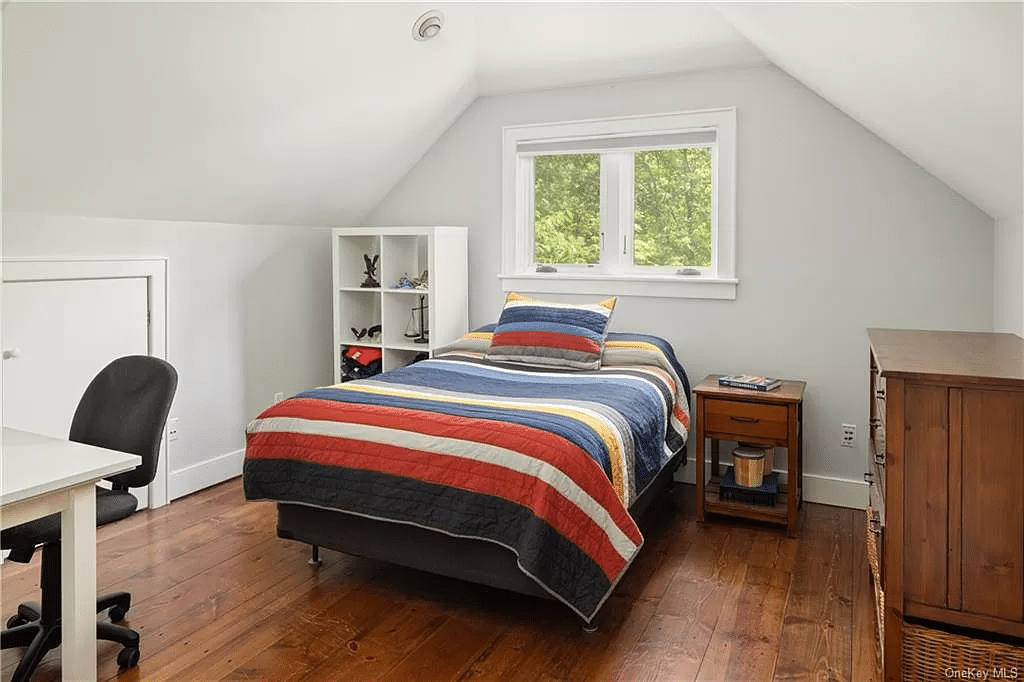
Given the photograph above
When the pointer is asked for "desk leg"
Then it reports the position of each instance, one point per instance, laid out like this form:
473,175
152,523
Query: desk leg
78,585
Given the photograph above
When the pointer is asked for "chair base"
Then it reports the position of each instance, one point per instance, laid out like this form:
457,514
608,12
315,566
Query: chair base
118,604
38,626
38,637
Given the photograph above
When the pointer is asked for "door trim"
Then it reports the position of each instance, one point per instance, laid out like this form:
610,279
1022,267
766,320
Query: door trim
155,272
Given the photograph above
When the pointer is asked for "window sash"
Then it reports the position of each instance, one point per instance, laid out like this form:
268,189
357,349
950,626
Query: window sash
618,210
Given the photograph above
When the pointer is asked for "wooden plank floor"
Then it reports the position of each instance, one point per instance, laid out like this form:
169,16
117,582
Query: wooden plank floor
218,597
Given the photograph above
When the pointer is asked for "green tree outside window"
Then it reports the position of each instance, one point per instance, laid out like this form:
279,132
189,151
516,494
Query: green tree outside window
672,214
672,208
567,208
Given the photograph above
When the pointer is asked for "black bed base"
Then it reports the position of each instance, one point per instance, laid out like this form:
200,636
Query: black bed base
469,559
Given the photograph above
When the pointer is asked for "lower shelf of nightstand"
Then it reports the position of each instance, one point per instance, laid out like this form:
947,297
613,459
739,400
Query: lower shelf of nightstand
777,513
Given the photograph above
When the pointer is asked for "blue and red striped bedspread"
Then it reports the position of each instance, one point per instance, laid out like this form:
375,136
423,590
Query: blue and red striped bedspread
542,462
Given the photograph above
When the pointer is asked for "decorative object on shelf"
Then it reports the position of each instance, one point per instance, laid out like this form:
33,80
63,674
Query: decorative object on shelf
418,332
755,383
371,272
371,332
767,450
406,282
748,466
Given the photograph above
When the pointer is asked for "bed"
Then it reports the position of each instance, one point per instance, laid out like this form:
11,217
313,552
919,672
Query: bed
473,465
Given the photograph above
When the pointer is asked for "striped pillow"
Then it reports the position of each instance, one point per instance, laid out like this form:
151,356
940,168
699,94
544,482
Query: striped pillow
548,334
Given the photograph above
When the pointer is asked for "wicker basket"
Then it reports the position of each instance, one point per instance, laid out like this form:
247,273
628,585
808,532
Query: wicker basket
930,654
876,581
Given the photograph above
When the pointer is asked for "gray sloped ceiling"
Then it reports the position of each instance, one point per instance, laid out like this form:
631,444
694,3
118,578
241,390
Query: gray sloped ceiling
296,113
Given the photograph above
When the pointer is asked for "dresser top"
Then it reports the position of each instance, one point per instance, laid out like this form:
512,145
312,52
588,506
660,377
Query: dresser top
969,357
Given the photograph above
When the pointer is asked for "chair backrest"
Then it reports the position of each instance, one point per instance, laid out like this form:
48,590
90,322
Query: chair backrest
125,408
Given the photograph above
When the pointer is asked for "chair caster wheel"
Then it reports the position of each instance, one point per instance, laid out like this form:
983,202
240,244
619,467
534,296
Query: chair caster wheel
14,621
128,658
117,614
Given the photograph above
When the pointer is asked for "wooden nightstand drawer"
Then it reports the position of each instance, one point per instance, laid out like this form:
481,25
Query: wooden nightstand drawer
753,420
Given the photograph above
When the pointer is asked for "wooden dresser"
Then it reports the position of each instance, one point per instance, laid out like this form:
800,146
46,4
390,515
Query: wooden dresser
946,468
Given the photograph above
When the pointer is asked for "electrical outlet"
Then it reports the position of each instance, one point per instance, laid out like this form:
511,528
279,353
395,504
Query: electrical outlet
279,396
849,435
172,428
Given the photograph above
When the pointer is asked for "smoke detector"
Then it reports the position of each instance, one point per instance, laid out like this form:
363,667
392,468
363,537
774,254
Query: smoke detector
428,25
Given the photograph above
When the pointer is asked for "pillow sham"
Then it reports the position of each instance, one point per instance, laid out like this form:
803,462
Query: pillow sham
548,334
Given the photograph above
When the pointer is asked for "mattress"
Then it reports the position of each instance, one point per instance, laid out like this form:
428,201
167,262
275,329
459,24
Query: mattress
542,462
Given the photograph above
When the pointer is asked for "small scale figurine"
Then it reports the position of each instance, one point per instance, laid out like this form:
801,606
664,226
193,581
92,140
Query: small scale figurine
371,273
418,332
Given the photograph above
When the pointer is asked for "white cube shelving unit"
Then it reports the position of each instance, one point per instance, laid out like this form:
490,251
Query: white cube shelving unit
401,251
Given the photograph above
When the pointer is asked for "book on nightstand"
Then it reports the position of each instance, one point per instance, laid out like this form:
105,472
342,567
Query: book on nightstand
750,381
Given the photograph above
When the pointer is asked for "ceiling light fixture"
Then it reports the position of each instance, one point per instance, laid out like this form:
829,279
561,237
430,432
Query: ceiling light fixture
428,25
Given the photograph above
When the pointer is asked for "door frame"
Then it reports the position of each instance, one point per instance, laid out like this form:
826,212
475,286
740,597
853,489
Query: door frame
155,272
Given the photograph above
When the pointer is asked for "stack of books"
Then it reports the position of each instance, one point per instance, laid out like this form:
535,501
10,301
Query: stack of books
765,494
755,383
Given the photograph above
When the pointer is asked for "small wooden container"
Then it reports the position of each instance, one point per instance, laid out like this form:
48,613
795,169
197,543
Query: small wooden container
748,466
769,455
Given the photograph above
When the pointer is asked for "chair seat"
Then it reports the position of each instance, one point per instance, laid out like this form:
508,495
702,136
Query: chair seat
111,505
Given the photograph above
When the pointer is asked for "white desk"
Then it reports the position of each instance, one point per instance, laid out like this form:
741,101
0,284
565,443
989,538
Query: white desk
40,475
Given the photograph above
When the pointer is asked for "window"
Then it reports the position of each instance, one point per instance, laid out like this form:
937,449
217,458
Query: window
633,206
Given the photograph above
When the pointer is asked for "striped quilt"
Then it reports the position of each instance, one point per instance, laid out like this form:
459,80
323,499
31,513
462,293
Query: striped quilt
543,462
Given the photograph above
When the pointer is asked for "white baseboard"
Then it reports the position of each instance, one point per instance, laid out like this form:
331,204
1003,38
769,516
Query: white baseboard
204,474
838,492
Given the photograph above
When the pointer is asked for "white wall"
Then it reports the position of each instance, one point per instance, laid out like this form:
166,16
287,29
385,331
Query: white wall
837,232
1008,276
249,311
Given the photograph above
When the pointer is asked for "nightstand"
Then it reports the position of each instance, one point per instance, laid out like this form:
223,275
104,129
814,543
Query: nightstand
766,417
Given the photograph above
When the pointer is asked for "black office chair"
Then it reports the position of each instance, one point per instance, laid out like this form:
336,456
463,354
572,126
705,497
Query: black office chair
124,408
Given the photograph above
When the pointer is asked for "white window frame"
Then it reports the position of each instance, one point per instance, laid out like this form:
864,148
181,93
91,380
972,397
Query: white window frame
617,275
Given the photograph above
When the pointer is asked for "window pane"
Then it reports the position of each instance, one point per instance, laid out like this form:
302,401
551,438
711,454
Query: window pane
672,207
567,208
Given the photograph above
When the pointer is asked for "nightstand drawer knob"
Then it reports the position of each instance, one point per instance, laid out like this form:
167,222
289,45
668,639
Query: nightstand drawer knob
745,420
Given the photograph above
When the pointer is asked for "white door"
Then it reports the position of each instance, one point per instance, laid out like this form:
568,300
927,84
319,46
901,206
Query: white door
61,332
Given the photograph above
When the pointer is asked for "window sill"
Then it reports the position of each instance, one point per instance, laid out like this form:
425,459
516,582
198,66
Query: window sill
662,286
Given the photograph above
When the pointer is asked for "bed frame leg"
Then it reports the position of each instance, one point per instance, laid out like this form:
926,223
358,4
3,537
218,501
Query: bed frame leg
314,555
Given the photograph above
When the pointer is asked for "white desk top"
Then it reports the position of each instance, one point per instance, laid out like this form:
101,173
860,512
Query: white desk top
32,464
